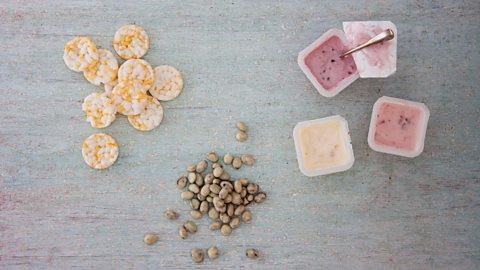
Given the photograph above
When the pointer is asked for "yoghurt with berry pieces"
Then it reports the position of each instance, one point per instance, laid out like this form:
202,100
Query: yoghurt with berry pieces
398,127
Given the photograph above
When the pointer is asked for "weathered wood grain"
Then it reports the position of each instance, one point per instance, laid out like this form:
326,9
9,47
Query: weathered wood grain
239,62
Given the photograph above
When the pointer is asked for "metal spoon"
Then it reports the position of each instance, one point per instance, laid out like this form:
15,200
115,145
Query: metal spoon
383,36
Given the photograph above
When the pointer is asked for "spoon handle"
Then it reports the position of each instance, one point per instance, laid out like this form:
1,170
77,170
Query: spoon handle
383,36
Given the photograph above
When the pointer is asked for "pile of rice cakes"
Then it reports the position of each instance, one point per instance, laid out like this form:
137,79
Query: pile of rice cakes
133,88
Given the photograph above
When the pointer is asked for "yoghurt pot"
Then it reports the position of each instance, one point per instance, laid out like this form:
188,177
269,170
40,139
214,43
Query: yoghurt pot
322,65
323,146
330,74
398,127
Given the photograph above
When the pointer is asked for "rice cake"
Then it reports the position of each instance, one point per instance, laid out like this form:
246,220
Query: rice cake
105,70
129,100
168,83
150,118
131,42
80,54
100,109
137,72
100,151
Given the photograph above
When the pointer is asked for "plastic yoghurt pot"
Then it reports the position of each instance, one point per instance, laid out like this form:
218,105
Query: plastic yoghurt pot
323,146
330,74
398,127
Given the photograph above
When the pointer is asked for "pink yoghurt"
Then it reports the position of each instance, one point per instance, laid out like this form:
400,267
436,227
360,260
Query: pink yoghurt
397,126
326,65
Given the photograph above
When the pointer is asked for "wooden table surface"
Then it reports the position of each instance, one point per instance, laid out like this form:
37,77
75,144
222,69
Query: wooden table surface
239,63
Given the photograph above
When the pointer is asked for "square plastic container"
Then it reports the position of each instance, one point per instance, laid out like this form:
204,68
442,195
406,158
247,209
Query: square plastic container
323,146
335,74
398,127
330,74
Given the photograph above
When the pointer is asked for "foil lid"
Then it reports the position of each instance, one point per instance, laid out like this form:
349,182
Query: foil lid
377,61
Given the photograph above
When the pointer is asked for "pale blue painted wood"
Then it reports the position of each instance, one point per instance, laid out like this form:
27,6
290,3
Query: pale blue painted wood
239,62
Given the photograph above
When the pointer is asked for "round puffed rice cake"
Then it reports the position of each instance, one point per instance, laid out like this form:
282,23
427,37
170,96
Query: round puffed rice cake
168,83
131,42
138,72
129,99
80,54
100,151
150,118
105,70
100,109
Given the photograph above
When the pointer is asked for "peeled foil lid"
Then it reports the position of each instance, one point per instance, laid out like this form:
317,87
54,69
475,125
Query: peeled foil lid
376,61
